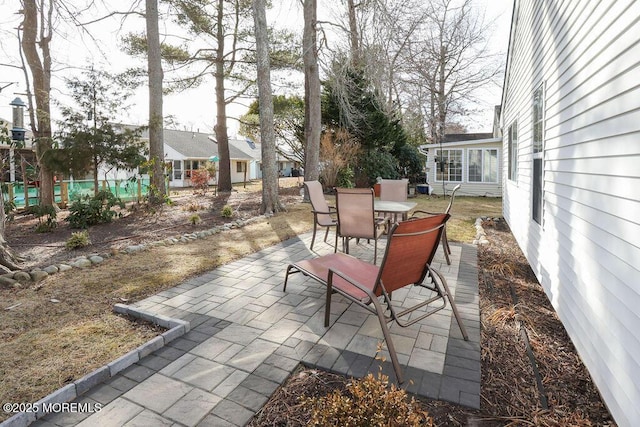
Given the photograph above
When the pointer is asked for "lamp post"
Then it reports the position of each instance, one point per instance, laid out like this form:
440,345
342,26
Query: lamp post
18,131
18,135
215,159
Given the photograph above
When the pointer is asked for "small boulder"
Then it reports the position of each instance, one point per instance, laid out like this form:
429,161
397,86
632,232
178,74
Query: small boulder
81,263
7,282
38,275
51,269
22,276
96,259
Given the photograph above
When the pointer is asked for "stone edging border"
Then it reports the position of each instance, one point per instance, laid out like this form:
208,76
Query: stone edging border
20,277
175,329
481,235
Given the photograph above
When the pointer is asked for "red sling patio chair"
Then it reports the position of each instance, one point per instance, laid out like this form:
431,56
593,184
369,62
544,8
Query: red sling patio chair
323,214
357,218
394,190
410,249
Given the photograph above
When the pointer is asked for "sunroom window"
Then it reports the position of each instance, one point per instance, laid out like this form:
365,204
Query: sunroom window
449,165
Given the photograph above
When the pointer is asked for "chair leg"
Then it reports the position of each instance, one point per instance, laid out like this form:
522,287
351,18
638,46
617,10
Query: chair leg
326,234
445,246
286,277
446,253
387,339
327,304
375,251
335,244
446,240
313,239
454,308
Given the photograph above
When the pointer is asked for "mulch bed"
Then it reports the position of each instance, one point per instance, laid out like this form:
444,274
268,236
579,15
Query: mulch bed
138,224
531,373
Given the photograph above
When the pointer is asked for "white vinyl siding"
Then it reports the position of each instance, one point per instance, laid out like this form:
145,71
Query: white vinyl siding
587,255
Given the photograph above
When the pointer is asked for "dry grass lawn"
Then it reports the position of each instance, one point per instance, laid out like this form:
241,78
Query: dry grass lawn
64,327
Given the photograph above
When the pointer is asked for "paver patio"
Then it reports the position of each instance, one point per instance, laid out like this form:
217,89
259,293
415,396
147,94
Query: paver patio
247,336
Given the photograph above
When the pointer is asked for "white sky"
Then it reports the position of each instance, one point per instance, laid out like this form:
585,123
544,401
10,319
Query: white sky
193,109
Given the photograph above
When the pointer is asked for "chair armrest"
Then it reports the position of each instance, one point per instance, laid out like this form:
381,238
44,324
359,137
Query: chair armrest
352,281
416,213
382,220
329,212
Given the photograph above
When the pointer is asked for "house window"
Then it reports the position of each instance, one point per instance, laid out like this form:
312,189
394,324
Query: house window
240,167
449,165
190,166
483,165
513,151
177,169
538,153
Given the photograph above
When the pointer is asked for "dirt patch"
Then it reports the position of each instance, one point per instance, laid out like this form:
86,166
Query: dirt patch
138,224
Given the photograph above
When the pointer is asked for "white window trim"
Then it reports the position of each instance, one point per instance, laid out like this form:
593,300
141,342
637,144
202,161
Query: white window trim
482,165
516,149
437,166
538,155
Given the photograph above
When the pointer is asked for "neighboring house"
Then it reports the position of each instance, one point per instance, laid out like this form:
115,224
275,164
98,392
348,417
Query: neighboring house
188,151
254,152
571,121
473,160
287,167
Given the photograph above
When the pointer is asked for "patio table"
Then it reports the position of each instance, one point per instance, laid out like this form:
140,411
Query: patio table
400,208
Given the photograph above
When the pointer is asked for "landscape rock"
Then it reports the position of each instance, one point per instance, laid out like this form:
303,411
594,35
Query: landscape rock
96,259
38,275
22,276
81,263
51,269
135,248
7,282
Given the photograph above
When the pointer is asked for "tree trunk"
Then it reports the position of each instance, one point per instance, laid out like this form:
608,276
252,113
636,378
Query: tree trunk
224,172
8,258
41,74
156,118
312,122
270,201
354,37
96,185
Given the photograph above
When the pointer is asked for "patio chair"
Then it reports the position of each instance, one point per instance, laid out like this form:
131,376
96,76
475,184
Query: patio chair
394,190
410,249
356,217
323,214
445,241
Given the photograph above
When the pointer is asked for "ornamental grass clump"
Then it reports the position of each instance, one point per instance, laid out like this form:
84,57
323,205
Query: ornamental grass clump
195,219
227,211
370,402
77,240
